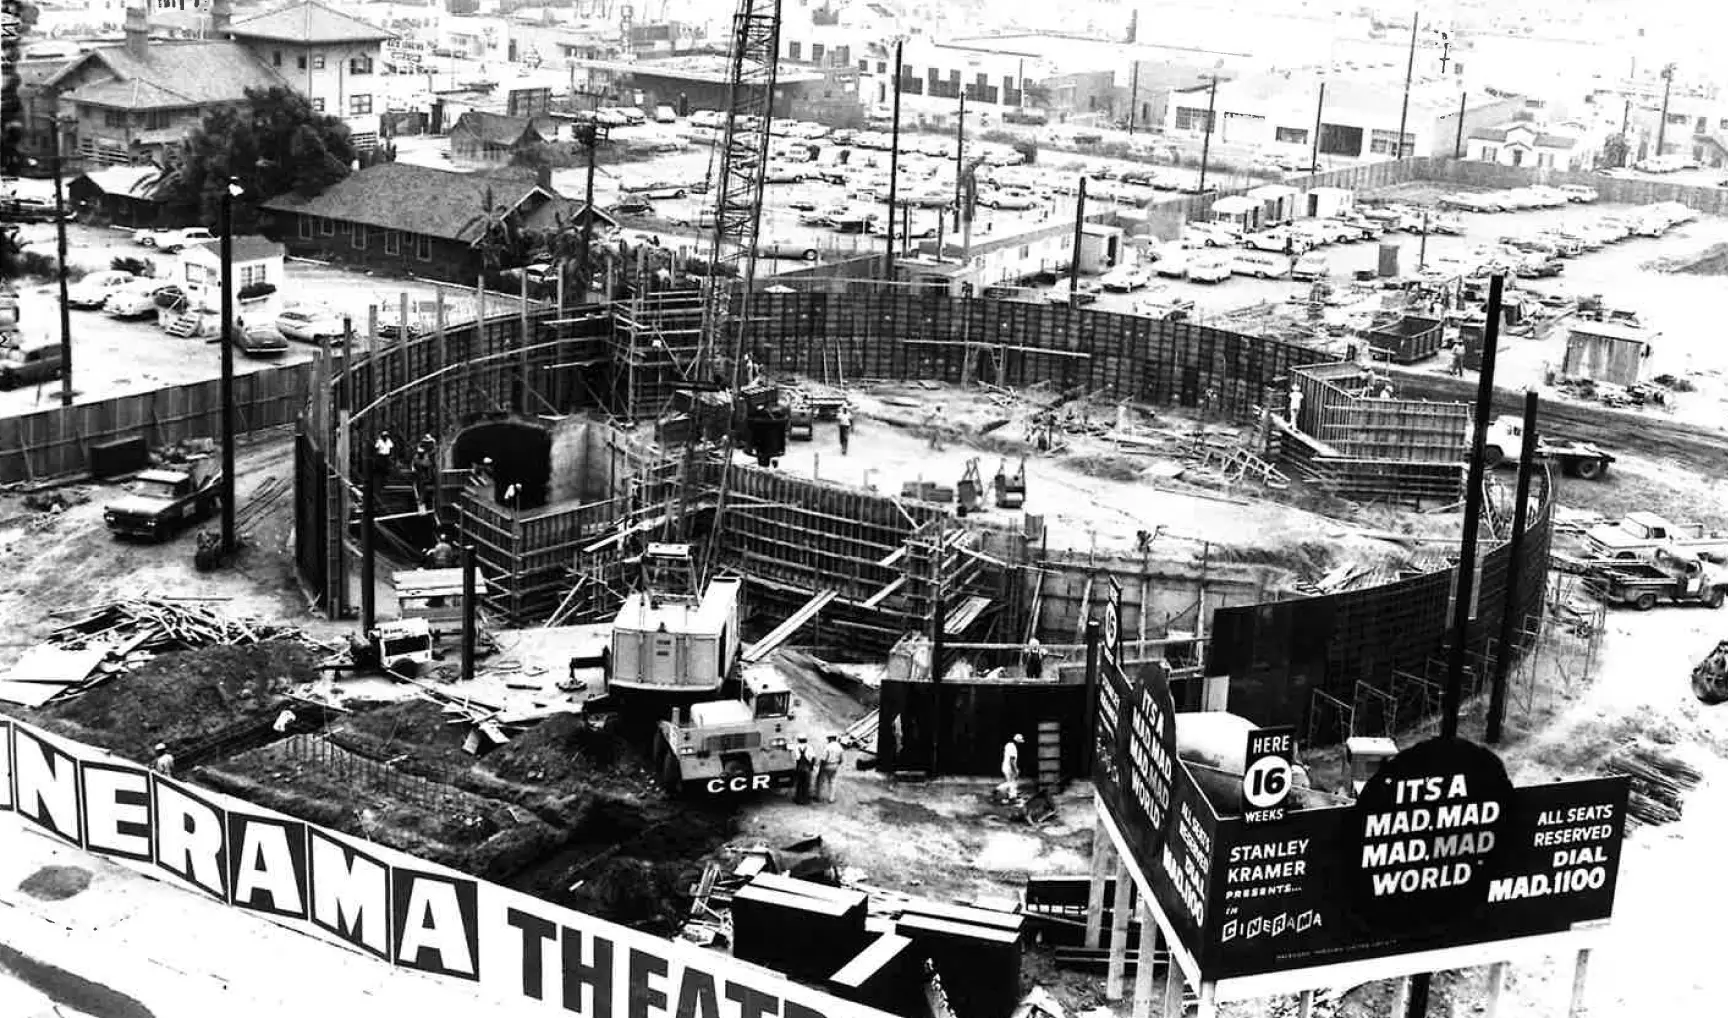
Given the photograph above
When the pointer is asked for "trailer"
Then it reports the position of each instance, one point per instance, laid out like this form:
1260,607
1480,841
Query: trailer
1675,577
1505,444
1406,340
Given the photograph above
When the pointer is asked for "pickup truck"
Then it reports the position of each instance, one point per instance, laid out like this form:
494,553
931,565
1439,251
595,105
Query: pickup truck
161,502
1505,443
1674,576
1641,535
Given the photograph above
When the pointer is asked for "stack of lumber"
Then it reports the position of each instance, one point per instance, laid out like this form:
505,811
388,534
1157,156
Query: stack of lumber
1659,782
101,641
862,734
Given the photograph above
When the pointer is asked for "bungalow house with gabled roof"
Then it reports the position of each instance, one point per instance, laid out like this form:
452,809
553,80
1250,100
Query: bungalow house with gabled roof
123,195
494,137
134,102
419,220
1525,144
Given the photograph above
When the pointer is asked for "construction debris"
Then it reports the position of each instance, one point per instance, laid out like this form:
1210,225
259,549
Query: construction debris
105,640
1659,782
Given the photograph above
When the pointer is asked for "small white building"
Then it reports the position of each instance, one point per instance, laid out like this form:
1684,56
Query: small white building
1525,144
1326,202
1278,202
1236,210
257,261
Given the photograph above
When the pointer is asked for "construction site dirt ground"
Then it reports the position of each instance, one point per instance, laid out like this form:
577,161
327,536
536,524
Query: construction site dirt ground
551,808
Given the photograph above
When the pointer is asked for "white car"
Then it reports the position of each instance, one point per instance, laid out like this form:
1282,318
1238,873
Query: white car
132,301
171,241
1278,240
1210,267
310,324
1313,265
1125,278
94,290
1579,193
1172,262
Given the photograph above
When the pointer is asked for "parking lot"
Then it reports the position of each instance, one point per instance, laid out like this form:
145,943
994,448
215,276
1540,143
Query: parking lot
112,357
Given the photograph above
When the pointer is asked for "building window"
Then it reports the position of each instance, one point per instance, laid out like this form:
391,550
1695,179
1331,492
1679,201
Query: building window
794,51
1190,119
305,227
882,68
423,247
318,104
253,274
300,61
1292,135
1490,153
1385,143
864,66
392,242
817,50
318,62
360,65
114,118
842,56
360,236
276,58
359,105
1025,251
326,228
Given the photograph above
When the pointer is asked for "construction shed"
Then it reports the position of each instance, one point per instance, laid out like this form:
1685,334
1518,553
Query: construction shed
1326,202
1603,352
1277,202
1238,211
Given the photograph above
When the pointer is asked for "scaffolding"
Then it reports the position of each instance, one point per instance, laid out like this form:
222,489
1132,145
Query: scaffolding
655,345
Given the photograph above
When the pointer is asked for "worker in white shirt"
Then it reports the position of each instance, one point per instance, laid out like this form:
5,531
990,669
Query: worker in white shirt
833,754
1034,659
1009,789
283,721
164,762
845,428
1295,404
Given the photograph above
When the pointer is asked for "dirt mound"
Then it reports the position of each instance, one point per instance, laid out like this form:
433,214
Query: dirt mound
1712,261
186,695
561,749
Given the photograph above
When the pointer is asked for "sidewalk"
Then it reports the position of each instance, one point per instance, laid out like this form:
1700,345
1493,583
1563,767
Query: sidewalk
180,955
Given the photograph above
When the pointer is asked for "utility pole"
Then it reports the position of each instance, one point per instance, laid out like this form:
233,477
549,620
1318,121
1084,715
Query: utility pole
470,610
1319,108
1463,591
1458,142
228,540
959,159
894,155
1409,76
1422,249
1133,96
1511,619
1662,124
60,245
368,548
1079,238
1206,145
585,240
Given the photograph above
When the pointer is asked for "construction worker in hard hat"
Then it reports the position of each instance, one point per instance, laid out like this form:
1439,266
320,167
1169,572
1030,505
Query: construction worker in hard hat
164,762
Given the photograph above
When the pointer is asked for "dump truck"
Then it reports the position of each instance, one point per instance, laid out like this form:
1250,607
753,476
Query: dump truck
159,503
1504,443
1674,577
1641,534
730,746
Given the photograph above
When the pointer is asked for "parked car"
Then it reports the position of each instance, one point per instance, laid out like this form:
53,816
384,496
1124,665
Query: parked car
310,324
94,289
1279,240
655,190
259,338
1008,200
1125,278
29,362
783,173
1263,264
134,301
32,210
1313,265
1086,292
1580,193
788,252
632,206
1208,267
1172,262
173,240
665,115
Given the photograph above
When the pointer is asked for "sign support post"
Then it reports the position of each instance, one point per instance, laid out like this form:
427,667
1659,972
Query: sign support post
1143,961
1496,983
1101,853
1579,974
1305,1004
1173,986
1121,909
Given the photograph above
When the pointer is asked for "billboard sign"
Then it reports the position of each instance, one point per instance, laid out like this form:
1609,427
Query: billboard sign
1440,851
406,912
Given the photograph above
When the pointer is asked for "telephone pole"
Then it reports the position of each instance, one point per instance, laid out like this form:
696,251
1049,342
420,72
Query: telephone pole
1206,144
894,156
1409,77
959,159
1662,124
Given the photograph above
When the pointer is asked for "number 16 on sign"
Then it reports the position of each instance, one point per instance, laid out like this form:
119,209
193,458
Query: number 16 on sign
1267,774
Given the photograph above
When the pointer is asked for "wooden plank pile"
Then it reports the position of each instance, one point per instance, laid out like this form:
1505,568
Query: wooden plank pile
120,635
862,733
1660,782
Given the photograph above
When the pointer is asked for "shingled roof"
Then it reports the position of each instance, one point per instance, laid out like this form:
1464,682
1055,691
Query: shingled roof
310,23
496,128
416,199
171,75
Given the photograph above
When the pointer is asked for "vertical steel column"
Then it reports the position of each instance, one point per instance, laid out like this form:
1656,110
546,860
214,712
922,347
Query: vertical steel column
1512,618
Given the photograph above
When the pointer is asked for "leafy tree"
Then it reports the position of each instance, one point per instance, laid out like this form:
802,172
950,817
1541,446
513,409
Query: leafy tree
273,144
11,253
503,243
1615,150
1038,95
